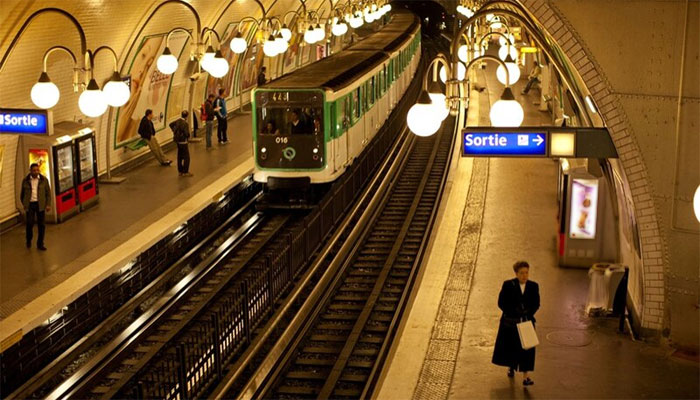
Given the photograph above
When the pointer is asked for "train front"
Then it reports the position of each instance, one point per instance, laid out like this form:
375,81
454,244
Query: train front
289,137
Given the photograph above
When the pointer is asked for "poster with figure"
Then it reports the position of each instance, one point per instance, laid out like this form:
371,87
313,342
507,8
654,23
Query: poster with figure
252,63
41,158
584,209
227,82
149,88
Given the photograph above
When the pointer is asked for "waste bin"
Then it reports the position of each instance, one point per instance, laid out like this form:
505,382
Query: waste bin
606,292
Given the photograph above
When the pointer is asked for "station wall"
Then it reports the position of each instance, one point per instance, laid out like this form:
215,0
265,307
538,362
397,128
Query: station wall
115,24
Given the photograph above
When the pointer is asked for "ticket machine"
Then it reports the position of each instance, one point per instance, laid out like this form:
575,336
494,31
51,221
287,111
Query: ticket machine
68,164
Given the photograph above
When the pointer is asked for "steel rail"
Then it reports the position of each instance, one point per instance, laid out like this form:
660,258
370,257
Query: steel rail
60,362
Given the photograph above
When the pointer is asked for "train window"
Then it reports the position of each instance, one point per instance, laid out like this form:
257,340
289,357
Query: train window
289,112
372,90
365,105
356,102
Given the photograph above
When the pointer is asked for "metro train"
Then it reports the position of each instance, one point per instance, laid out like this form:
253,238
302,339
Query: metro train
309,125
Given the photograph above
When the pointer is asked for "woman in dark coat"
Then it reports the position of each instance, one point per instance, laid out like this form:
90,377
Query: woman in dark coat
519,300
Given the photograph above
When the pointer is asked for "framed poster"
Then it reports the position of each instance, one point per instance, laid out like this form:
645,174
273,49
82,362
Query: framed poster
584,209
40,157
150,88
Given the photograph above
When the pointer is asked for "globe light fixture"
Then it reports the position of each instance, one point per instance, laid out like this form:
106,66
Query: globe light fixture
167,62
238,44
282,44
513,72
45,94
503,52
461,72
92,101
696,203
270,47
310,35
463,53
421,118
116,91
320,32
207,58
286,33
461,9
506,112
339,29
502,40
438,100
356,22
218,66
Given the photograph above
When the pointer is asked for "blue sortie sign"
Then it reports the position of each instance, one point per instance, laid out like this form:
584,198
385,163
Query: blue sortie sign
24,121
504,144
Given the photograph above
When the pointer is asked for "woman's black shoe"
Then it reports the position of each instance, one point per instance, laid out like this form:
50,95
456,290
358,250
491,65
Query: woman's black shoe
511,372
528,382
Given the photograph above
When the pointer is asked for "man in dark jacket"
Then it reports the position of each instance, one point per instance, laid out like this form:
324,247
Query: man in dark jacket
222,122
209,123
148,133
181,135
36,201
261,76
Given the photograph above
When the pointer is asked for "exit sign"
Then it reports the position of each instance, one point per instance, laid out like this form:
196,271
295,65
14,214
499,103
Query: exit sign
504,144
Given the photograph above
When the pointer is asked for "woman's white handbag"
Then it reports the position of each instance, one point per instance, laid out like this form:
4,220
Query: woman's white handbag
528,336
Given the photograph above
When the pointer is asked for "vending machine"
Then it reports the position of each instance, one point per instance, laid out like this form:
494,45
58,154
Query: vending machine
58,157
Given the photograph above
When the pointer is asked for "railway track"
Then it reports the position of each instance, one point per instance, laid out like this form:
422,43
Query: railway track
335,344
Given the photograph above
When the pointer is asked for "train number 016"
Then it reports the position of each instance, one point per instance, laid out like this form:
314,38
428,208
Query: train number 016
279,140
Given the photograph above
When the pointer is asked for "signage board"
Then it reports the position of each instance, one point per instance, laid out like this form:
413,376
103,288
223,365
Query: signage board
584,209
25,122
504,144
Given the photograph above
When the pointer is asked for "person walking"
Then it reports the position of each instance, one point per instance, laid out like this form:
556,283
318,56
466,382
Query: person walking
519,300
261,76
35,197
209,119
148,133
533,78
222,122
181,135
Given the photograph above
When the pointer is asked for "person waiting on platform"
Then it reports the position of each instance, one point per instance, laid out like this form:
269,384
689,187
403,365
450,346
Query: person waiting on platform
209,118
296,125
181,135
36,201
519,300
270,128
148,133
261,76
534,77
222,122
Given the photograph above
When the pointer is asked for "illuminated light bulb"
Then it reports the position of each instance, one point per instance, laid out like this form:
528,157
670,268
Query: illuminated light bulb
167,62
503,52
92,101
356,22
116,91
282,44
438,100
207,58
502,40
421,118
696,203
506,112
339,29
320,32
460,9
490,17
310,35
238,44
218,66
462,53
461,72
513,72
286,33
270,47
45,94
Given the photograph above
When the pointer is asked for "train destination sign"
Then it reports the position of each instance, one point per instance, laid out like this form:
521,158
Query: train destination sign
504,144
24,121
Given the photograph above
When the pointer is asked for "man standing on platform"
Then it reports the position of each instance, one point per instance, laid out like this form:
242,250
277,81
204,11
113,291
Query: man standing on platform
36,200
261,76
181,135
209,121
148,133
222,122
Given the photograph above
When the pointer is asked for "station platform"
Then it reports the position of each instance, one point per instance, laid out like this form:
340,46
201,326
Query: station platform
495,212
129,218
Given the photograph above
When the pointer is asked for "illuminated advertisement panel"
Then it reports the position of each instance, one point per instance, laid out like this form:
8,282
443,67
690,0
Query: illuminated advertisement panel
584,207
40,157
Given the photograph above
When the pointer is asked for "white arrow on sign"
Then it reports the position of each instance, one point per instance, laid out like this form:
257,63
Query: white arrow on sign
538,139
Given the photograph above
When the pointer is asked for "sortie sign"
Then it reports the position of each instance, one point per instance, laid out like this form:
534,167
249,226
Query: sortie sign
34,122
504,144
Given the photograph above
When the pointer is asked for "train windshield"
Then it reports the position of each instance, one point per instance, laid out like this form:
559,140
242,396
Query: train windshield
289,112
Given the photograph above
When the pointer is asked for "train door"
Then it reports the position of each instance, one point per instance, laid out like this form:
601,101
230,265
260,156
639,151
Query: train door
340,142
356,131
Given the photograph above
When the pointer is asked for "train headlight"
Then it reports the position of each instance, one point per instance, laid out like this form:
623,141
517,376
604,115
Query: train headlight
315,151
263,150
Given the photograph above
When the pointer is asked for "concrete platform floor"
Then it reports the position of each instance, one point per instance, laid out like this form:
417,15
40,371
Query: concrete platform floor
507,211
150,192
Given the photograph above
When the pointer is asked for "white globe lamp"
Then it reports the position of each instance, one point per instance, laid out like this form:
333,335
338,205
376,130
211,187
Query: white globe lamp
513,73
503,52
238,44
506,112
339,29
92,101
463,53
282,44
438,100
167,62
461,9
421,118
502,40
286,33
207,58
461,72
355,22
116,91
310,35
696,203
218,66
270,47
320,32
45,94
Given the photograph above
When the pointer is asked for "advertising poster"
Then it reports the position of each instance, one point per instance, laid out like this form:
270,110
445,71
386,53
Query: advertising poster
584,207
149,88
227,82
41,157
290,56
251,66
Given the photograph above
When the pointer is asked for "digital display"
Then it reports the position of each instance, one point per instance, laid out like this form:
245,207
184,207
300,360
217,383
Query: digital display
288,98
504,144
35,122
584,209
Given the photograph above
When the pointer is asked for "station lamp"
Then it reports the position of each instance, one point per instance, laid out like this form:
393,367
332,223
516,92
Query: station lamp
507,112
116,91
439,100
45,94
513,74
696,203
420,118
92,101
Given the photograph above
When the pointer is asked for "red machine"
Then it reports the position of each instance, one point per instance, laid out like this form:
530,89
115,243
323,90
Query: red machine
86,165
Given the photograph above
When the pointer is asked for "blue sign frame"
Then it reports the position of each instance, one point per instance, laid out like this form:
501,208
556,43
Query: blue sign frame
503,143
25,122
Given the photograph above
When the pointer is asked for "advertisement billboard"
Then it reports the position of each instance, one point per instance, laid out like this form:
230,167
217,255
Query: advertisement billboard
584,207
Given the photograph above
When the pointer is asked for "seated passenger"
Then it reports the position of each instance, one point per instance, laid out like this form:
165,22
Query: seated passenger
296,126
270,129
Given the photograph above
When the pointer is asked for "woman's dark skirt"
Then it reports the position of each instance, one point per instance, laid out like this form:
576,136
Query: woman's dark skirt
508,352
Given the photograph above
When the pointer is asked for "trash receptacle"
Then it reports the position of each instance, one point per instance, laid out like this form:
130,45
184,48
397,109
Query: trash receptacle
608,289
597,290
